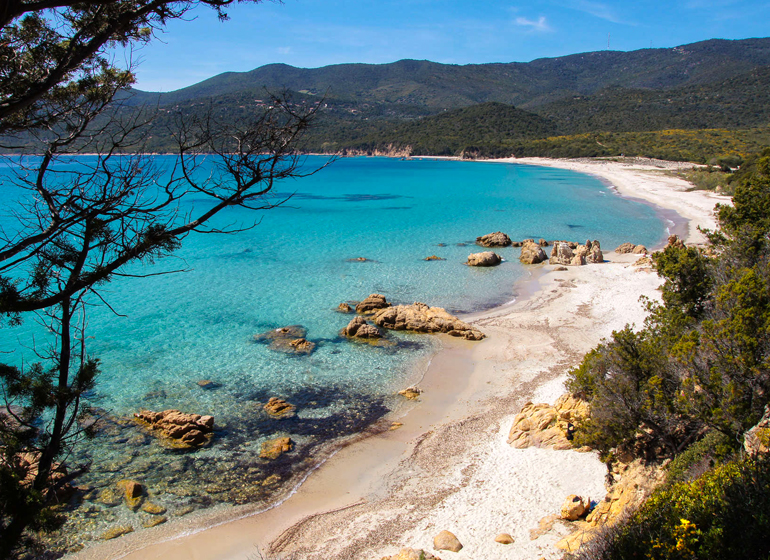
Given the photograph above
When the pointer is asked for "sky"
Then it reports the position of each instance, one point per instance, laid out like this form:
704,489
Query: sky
313,33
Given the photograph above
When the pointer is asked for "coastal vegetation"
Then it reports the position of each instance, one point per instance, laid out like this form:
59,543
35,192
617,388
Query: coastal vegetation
688,386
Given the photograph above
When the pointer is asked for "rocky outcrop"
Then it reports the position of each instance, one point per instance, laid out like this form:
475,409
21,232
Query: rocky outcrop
626,248
674,241
594,252
289,340
344,308
279,408
486,258
177,428
757,439
631,484
573,254
359,328
532,253
574,507
496,239
446,540
274,448
544,425
421,318
372,304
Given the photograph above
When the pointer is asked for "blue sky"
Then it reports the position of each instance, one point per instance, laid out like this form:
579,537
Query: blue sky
312,33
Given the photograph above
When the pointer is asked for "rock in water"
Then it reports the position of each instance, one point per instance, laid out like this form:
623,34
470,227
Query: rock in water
433,258
116,532
371,304
289,340
410,393
532,253
302,346
446,540
344,308
573,508
359,328
487,258
274,448
177,428
132,492
496,239
421,318
279,408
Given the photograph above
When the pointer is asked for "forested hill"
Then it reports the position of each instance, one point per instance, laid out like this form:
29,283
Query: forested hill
644,102
525,85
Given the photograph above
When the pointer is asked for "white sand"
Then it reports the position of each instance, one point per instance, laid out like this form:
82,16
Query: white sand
450,467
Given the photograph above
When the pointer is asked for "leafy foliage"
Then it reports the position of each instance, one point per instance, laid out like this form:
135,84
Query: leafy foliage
722,515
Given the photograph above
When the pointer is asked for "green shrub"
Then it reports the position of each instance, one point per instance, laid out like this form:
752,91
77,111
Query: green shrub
723,515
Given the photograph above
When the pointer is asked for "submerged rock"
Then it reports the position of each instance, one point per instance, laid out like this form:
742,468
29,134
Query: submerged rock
433,258
487,258
274,448
116,532
410,393
177,428
359,328
421,318
344,308
289,340
279,408
532,253
372,303
302,346
496,239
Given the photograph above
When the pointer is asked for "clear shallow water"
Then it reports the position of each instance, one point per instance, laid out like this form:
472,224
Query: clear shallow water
293,268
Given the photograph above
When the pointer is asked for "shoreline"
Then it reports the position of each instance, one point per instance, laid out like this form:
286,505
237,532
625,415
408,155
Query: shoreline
384,491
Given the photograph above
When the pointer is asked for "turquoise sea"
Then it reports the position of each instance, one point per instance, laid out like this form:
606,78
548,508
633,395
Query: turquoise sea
294,267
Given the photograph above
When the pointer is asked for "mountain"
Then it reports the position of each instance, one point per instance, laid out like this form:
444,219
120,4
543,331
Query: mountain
526,85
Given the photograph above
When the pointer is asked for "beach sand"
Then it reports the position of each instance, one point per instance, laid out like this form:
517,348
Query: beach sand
449,466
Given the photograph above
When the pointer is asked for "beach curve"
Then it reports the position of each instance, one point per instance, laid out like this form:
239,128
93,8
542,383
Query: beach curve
449,466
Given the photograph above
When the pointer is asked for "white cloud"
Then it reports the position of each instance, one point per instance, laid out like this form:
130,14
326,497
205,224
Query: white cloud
596,9
284,50
540,25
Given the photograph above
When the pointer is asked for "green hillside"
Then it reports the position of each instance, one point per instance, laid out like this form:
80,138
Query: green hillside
429,84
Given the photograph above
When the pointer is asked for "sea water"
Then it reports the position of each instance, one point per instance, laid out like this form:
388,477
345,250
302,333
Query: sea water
301,260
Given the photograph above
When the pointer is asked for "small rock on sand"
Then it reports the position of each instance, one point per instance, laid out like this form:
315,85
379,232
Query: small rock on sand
446,540
504,538
410,393
574,508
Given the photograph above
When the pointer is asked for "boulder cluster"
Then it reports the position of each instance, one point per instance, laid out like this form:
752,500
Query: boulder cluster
177,428
358,327
573,254
289,340
422,318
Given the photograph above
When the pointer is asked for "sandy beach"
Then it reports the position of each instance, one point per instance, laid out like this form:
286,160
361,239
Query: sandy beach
449,466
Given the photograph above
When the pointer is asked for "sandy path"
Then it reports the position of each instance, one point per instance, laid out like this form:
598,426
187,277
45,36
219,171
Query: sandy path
450,467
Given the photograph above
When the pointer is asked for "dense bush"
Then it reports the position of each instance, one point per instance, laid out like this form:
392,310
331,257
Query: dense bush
722,515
